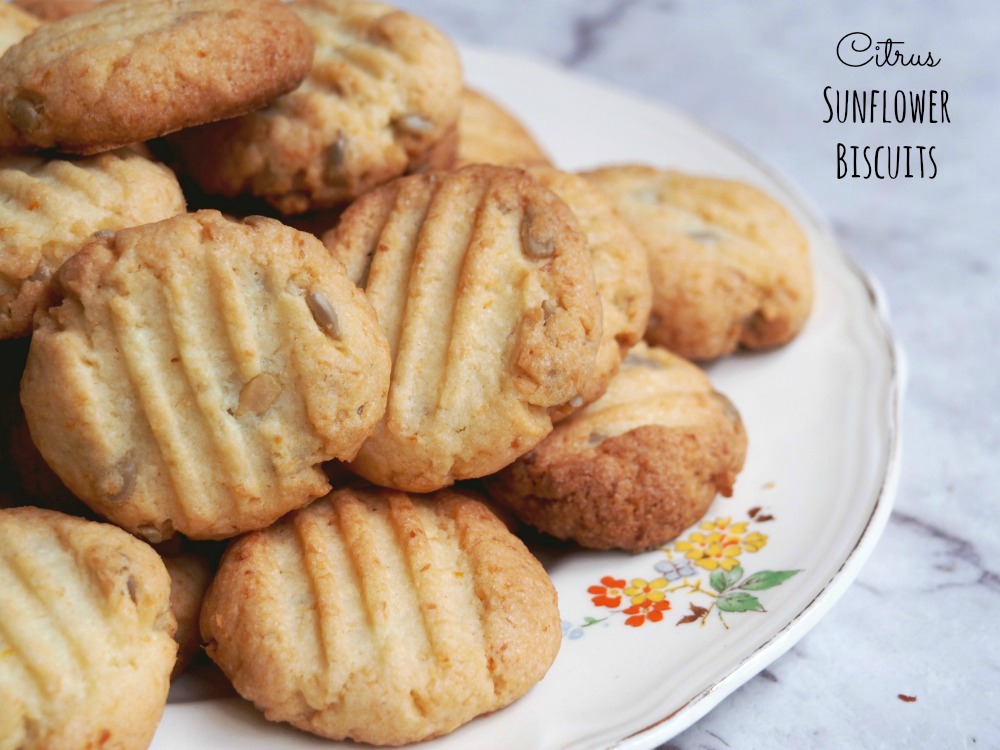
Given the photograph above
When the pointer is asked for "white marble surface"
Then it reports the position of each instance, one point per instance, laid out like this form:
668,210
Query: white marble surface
923,618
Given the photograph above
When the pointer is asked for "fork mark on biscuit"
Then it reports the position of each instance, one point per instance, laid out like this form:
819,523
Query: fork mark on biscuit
309,549
157,406
24,113
43,584
196,323
477,585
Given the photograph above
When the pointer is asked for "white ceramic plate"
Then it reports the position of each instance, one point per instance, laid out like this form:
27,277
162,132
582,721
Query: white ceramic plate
822,416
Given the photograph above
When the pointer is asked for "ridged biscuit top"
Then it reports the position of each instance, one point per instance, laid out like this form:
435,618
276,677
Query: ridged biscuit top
484,286
49,207
198,371
621,269
86,643
382,617
130,70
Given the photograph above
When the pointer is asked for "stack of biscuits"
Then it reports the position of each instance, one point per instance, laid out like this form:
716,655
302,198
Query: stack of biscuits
297,333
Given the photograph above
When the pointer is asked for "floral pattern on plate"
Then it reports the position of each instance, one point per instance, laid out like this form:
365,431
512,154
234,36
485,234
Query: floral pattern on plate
703,570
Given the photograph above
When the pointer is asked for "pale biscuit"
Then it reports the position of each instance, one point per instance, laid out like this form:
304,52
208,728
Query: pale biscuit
729,265
15,24
131,70
197,372
483,284
383,90
489,134
86,641
382,617
621,270
635,468
49,207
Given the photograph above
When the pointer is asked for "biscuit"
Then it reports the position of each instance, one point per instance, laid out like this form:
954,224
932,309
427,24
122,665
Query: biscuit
49,207
190,574
729,264
489,134
621,270
635,468
196,372
131,70
383,90
382,617
86,641
15,24
483,284
53,10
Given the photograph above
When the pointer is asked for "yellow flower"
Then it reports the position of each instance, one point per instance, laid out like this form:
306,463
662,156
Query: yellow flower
642,591
724,524
721,545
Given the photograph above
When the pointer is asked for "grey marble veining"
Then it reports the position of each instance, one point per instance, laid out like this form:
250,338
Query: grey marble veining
923,618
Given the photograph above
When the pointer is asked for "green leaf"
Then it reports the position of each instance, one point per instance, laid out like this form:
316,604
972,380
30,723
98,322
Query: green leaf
737,601
766,579
721,580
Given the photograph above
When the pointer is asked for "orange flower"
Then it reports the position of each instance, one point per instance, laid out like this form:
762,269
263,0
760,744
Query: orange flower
648,610
610,594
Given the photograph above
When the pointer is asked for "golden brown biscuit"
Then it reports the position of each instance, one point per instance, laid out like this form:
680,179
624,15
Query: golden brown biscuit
382,617
49,207
131,70
15,24
729,264
635,468
190,574
482,281
86,641
196,372
383,90
489,134
621,270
